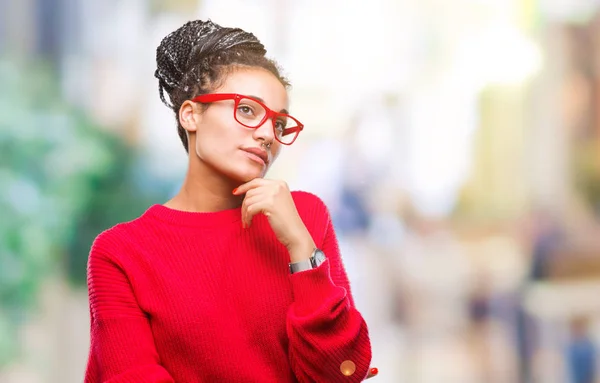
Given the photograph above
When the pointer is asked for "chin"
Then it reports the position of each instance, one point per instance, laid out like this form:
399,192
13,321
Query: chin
248,175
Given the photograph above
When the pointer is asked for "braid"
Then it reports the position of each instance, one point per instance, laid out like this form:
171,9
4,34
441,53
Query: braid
193,60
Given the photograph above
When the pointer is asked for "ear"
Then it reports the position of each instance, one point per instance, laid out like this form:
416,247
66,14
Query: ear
189,115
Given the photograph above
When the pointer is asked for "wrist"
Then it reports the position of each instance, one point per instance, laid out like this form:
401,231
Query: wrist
301,249
315,260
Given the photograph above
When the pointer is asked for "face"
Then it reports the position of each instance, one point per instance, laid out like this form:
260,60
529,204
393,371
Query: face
222,143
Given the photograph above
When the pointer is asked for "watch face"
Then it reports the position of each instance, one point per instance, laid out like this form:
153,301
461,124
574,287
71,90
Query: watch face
319,256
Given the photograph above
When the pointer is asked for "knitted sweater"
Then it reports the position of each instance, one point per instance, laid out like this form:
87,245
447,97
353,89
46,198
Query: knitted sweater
194,297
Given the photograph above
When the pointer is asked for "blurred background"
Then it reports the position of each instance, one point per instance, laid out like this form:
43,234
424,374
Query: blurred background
457,144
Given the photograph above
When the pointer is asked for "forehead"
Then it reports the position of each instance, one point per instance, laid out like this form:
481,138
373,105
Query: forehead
256,82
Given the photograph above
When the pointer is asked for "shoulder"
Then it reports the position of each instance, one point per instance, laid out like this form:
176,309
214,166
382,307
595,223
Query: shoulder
116,239
307,199
110,238
311,208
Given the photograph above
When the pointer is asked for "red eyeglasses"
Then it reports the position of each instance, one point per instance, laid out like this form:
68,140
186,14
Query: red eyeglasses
252,113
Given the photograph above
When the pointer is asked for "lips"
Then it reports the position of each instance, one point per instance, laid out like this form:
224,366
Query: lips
262,154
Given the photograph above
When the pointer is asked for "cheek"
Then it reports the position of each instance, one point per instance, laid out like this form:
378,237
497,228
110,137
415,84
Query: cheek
216,141
276,151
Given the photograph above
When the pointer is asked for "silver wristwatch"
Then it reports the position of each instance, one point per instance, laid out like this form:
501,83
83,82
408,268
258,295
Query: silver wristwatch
317,257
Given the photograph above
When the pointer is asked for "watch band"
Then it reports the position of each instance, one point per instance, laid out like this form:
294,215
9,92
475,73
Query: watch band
316,259
297,267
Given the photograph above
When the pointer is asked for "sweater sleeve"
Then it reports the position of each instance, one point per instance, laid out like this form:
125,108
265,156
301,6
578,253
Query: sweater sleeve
323,326
122,348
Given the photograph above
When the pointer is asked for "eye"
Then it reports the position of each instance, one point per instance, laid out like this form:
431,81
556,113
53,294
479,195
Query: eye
280,125
245,110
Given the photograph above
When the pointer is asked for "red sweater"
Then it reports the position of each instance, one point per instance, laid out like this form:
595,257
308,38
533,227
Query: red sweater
193,297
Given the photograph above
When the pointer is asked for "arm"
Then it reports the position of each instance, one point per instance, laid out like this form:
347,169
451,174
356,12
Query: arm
122,346
323,326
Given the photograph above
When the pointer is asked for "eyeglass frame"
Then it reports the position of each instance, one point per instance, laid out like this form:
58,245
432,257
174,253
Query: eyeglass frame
269,113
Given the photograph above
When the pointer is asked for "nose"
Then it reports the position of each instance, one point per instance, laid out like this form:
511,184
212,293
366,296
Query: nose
265,131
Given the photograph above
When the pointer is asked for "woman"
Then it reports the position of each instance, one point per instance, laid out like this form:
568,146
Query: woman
235,279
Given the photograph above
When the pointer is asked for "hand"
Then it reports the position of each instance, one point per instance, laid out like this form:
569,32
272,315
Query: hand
273,199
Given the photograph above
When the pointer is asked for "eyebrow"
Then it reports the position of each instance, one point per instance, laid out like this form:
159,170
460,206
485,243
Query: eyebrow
284,111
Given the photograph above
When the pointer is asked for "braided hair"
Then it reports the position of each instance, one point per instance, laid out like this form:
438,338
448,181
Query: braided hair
196,58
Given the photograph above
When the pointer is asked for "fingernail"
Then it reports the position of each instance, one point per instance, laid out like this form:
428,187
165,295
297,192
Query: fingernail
374,371
234,190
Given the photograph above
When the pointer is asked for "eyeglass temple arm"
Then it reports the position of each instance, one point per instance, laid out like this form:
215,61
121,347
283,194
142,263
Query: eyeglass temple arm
292,130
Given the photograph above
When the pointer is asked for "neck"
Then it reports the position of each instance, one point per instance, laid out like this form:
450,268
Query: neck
204,190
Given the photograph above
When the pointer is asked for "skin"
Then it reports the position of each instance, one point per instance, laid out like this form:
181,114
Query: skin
222,176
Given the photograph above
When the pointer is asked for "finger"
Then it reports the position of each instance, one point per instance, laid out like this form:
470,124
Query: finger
253,196
243,188
251,211
372,372
249,206
255,192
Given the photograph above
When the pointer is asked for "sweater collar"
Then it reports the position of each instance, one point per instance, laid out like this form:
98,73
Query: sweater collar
187,218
